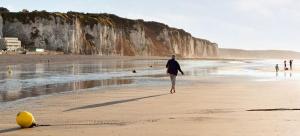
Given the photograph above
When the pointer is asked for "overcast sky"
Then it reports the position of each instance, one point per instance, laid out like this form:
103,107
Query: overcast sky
245,24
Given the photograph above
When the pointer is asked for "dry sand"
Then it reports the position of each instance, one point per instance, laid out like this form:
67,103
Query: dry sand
212,106
258,54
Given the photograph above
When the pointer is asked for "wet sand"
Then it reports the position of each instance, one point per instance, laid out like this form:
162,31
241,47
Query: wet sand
221,105
33,59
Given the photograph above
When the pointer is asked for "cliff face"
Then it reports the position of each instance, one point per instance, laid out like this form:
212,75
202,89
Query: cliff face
1,25
102,34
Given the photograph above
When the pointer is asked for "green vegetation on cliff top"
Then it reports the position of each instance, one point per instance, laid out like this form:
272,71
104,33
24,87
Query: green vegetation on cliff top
90,19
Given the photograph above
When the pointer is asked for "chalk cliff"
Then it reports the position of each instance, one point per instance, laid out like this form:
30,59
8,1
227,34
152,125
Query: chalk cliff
1,25
102,34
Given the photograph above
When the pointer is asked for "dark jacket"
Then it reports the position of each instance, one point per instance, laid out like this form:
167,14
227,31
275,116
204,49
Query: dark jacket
173,67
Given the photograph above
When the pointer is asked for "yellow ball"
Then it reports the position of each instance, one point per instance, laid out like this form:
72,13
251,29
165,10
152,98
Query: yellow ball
25,119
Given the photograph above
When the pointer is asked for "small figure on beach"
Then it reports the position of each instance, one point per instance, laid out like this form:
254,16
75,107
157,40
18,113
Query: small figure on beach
134,71
277,68
172,69
285,66
291,64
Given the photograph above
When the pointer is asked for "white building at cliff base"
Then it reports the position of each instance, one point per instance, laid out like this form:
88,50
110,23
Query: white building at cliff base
10,43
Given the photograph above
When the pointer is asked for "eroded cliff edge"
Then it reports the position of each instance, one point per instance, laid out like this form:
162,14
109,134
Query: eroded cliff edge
102,34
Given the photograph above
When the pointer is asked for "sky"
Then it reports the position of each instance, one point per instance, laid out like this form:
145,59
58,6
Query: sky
242,24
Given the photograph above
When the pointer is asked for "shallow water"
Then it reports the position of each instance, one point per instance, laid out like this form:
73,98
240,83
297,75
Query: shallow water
22,81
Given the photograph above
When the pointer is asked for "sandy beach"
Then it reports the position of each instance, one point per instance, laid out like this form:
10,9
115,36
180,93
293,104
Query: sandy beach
111,68
208,105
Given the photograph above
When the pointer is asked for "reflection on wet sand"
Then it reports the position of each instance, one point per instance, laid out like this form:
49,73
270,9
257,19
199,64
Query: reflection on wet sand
57,88
201,71
25,80
287,74
191,72
44,78
40,79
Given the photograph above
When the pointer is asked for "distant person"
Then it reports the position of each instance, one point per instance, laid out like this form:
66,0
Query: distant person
285,67
172,69
291,64
277,68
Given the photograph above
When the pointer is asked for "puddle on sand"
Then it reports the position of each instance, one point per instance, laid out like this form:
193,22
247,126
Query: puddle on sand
6,96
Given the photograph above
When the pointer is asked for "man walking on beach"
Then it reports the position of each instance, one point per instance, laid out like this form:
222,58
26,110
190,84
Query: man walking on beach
291,64
173,67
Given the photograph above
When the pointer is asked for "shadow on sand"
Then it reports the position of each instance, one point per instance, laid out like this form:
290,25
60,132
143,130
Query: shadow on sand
74,124
9,130
112,103
87,107
276,109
